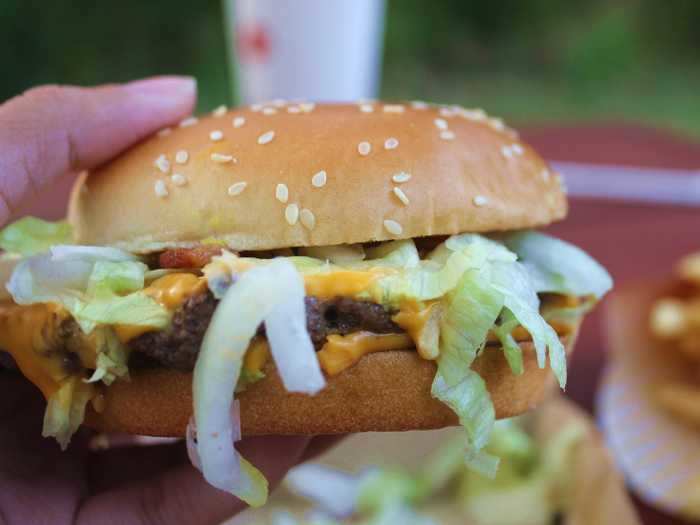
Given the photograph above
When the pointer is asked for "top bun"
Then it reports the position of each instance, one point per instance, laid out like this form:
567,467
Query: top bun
281,175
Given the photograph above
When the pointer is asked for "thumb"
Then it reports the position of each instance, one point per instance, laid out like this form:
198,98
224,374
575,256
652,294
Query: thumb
51,130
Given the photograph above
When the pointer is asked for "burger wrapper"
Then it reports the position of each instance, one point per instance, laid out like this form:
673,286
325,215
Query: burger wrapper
597,493
658,451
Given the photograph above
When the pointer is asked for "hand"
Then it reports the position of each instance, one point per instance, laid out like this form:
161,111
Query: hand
45,134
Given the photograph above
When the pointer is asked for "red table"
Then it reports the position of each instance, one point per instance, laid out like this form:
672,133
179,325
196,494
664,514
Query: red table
634,241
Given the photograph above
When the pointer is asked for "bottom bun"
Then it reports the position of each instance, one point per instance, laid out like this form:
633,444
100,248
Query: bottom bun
385,391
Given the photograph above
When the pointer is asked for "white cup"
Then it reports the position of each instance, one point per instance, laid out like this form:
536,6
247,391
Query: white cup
320,50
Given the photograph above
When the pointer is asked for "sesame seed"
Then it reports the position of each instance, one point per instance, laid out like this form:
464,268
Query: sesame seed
282,193
307,107
279,102
474,114
162,163
182,156
545,175
236,188
216,135
291,214
400,177
393,108
517,149
497,124
222,158
269,111
238,122
164,132
293,109
256,107
447,135
447,112
366,108
307,218
161,189
480,201
419,104
393,227
266,137
178,179
507,152
220,111
189,121
440,123
391,143
364,148
401,195
319,179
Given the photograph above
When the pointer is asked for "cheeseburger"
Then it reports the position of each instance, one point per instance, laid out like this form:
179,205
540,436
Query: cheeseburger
300,269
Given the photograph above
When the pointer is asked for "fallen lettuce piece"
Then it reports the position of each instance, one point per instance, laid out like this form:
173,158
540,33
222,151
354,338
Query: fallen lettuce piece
65,410
557,266
533,480
372,497
30,236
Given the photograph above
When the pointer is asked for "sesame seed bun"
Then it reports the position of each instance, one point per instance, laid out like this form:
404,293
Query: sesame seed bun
385,391
309,175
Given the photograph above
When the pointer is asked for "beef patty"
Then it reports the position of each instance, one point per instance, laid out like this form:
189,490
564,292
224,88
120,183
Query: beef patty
178,346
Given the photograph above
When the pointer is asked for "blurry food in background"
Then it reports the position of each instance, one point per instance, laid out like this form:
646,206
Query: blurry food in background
649,402
553,470
306,49
675,323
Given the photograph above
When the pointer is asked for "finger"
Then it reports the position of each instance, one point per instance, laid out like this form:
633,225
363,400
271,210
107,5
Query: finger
109,469
321,444
181,495
52,130
38,482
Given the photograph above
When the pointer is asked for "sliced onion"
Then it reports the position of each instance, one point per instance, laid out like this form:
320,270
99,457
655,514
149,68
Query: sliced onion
191,434
243,307
69,252
191,440
290,344
335,491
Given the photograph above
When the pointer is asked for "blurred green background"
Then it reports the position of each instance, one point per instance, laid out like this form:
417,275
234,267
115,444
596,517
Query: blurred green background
534,61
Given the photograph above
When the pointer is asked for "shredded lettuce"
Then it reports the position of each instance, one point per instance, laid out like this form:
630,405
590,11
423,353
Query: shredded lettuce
521,300
65,410
471,310
112,356
557,266
30,236
94,290
532,485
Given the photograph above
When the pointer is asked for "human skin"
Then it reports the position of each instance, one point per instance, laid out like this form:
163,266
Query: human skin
47,134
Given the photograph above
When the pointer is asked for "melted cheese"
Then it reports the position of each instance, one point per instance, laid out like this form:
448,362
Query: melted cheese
257,355
26,333
171,291
420,321
339,284
343,351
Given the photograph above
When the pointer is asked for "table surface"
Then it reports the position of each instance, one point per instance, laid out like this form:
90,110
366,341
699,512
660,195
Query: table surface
634,241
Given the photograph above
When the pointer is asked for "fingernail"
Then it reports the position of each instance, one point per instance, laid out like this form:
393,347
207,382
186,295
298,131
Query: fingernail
166,86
